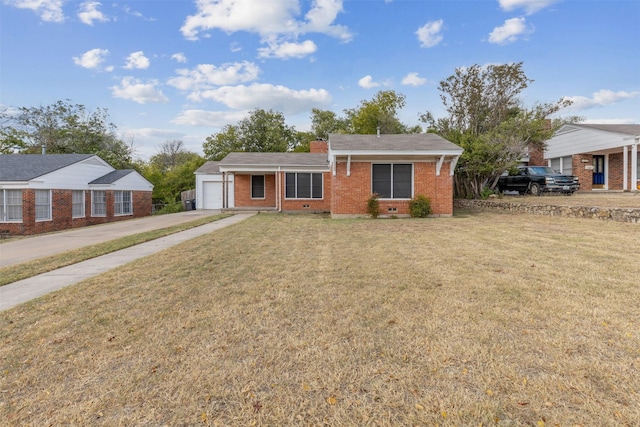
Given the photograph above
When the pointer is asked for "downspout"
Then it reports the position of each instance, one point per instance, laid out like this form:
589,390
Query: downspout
278,190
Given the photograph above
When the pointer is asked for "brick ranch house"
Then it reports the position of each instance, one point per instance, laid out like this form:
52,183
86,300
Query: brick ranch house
52,192
602,156
337,176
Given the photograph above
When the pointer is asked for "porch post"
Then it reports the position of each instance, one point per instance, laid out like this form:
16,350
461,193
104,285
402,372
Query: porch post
625,166
634,165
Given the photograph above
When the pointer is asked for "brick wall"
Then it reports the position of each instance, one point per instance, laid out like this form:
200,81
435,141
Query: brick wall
616,171
314,205
578,169
536,157
61,212
242,192
350,193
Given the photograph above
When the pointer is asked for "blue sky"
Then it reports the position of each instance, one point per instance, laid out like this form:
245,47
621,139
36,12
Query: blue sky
177,69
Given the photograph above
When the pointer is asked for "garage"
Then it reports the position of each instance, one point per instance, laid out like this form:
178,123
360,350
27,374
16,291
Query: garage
210,191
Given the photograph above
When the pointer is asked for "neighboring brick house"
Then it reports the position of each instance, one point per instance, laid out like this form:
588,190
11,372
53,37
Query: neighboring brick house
602,156
44,193
337,176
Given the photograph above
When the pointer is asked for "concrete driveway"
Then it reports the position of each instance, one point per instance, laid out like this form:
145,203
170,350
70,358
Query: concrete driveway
33,287
40,246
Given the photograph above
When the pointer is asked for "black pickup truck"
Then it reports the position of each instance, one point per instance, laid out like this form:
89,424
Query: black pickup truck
537,180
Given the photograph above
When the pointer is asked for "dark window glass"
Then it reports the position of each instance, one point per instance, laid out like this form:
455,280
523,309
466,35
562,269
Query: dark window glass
304,186
316,186
402,181
392,181
382,180
257,186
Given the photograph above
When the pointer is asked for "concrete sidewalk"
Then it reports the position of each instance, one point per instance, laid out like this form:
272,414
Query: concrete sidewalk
33,287
40,246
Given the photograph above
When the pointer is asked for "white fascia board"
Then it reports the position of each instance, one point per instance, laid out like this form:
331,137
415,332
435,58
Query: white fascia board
14,184
355,153
273,168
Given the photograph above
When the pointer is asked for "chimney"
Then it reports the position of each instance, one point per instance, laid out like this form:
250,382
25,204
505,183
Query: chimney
318,146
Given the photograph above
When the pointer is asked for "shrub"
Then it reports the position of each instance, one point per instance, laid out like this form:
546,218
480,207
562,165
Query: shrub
373,206
419,206
486,192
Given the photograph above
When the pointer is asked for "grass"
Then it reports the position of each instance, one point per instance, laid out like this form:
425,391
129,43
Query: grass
486,318
43,265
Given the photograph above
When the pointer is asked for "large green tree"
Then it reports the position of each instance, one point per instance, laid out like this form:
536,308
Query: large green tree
486,118
64,127
261,131
381,112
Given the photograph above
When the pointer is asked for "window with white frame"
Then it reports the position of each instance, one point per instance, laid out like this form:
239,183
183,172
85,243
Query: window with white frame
98,203
392,180
300,185
10,205
566,165
43,205
122,203
257,186
77,204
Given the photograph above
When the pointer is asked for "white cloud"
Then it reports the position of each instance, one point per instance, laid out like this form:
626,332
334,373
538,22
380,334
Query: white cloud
510,32
429,34
529,6
142,93
137,60
91,58
413,79
205,76
599,99
49,10
156,133
272,20
89,13
208,118
368,83
179,57
267,96
288,50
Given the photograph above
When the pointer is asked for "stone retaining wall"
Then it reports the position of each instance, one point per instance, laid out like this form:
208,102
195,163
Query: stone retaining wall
606,214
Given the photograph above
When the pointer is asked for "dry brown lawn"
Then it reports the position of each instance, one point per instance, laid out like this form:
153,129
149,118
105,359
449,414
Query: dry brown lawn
482,319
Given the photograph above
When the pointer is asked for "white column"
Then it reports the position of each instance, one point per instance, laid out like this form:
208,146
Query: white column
625,166
634,166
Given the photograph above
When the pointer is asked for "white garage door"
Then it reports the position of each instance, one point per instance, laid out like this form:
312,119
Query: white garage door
212,195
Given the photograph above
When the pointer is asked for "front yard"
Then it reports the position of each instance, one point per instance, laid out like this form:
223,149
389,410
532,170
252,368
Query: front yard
486,318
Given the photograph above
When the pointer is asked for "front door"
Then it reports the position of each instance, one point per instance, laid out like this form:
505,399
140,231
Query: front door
598,172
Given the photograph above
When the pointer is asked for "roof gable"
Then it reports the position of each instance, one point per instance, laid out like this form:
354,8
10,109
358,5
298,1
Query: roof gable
25,167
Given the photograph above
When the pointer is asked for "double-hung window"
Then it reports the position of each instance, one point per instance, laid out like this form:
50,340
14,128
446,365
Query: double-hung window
99,203
77,204
257,186
303,185
392,180
122,203
10,205
43,205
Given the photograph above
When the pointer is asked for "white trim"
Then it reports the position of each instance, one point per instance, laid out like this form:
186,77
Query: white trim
349,165
84,201
634,165
100,215
413,171
625,165
439,165
453,164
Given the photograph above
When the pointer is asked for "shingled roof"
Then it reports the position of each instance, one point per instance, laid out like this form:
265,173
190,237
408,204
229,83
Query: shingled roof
25,167
112,176
427,142
275,159
627,129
